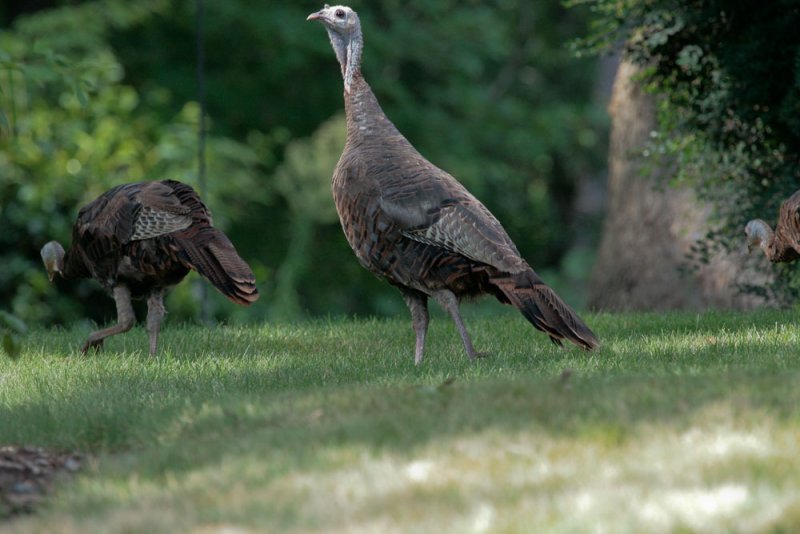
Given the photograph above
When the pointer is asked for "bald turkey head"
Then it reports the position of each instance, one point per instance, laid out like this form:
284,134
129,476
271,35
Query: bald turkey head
53,257
344,30
758,234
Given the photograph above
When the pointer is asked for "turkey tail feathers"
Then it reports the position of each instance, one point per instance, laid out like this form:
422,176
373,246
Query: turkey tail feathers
545,310
214,257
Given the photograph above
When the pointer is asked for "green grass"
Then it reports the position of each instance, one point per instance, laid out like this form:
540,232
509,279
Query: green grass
680,422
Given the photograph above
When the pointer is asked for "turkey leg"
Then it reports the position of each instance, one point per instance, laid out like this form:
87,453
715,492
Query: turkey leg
125,320
155,314
418,304
449,302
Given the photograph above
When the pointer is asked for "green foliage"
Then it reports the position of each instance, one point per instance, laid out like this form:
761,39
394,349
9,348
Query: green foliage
304,181
304,176
289,427
729,123
63,49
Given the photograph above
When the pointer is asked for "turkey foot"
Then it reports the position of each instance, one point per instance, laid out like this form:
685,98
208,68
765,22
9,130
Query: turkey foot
96,344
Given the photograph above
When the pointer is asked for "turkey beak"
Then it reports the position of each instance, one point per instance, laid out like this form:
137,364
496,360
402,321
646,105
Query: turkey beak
316,16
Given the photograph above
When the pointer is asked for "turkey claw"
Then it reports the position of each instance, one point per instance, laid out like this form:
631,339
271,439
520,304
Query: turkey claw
96,345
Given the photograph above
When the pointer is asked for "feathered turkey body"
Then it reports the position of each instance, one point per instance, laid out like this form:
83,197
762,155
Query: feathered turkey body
415,225
139,239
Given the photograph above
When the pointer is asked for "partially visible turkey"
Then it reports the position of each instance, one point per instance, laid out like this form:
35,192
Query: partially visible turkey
783,243
412,223
140,239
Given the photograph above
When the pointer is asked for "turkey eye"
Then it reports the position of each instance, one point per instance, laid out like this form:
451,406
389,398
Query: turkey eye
340,13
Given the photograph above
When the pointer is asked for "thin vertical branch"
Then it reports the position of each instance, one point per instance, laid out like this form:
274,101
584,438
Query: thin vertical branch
201,133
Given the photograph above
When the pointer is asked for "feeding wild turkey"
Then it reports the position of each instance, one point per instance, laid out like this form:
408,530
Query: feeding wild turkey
140,239
412,223
782,244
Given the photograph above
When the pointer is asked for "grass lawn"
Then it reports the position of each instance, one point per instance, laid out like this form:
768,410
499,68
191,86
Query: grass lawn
680,422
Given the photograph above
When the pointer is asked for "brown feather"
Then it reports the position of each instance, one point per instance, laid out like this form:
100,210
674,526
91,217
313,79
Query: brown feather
785,243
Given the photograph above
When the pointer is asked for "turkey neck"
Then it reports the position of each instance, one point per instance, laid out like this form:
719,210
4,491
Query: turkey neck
366,121
73,266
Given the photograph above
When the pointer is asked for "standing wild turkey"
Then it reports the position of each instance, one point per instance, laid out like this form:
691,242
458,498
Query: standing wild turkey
783,244
140,239
412,223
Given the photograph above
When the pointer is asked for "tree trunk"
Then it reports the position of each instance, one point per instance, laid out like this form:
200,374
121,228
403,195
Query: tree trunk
650,226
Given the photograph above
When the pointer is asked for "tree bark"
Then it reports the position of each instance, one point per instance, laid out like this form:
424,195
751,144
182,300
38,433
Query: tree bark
650,225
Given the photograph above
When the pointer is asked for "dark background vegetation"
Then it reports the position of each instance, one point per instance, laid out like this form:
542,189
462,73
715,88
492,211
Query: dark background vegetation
507,95
102,92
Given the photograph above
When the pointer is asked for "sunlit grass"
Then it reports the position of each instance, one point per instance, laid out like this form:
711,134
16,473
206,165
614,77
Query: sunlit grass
679,422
